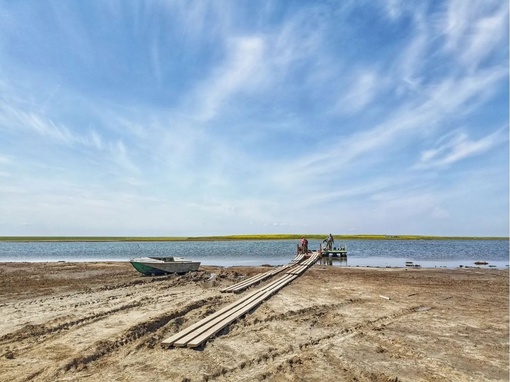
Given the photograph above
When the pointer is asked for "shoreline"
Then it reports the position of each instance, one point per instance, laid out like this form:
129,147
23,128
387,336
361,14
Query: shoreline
102,321
262,237
425,264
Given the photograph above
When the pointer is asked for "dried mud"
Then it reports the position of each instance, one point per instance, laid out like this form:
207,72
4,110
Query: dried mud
105,322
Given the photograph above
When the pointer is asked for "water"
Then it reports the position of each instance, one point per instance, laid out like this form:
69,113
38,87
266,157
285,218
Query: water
379,253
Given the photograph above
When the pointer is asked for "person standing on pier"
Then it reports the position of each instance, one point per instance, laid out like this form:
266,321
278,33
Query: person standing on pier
330,241
304,245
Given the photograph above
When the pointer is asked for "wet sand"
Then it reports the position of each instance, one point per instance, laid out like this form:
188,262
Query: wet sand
105,322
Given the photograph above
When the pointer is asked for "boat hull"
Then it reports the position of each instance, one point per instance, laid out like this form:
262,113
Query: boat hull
150,268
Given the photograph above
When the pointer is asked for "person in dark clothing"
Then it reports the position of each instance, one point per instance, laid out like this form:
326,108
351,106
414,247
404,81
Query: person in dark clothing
328,242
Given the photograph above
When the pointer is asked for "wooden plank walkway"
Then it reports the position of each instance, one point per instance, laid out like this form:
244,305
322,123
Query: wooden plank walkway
198,333
239,287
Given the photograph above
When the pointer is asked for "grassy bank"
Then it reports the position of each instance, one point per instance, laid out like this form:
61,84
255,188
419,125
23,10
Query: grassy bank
236,237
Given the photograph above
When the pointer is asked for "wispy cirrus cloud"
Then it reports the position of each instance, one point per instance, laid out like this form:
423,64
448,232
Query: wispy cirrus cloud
457,146
121,156
231,118
363,89
5,159
421,114
474,30
26,121
16,118
409,122
240,71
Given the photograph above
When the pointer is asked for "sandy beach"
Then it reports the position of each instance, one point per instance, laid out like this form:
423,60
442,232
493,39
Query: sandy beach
105,322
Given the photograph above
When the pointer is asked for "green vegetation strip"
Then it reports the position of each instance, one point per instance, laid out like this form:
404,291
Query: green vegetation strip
237,237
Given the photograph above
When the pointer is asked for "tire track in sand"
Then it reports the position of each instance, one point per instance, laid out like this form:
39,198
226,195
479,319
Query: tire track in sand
143,329
86,301
285,357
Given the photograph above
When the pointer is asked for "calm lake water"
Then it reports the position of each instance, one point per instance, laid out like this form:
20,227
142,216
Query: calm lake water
380,253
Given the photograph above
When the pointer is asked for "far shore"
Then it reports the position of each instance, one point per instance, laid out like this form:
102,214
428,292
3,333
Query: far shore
236,238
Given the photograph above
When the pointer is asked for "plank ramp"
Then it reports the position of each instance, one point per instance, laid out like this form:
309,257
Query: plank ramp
245,284
198,333
302,267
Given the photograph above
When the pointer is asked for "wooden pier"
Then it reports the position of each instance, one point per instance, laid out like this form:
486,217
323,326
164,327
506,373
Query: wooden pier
198,333
341,251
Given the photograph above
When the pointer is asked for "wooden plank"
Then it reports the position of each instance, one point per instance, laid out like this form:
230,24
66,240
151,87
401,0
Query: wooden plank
225,309
196,325
294,271
254,279
304,265
298,258
234,308
199,332
197,341
260,277
249,281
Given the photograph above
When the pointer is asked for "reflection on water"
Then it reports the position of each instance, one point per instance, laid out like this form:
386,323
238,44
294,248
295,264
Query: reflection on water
334,260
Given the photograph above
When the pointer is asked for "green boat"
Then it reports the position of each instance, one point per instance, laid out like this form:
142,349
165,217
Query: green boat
341,251
157,266
334,252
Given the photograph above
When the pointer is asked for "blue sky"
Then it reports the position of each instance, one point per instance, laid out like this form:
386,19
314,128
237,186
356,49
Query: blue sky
185,118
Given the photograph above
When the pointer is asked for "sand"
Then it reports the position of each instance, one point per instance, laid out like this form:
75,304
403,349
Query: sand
105,322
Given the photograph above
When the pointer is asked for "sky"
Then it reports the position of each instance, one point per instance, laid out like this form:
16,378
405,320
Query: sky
192,118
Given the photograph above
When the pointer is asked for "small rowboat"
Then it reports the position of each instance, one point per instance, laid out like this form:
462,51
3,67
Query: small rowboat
156,266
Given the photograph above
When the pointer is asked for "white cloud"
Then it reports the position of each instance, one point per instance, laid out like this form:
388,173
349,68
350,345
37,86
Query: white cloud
5,159
457,146
335,129
410,64
475,29
121,156
393,9
21,118
362,90
241,71
489,32
407,123
96,139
